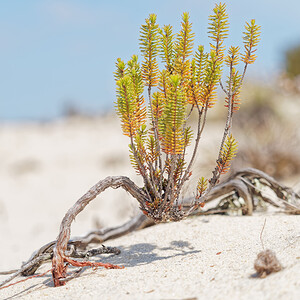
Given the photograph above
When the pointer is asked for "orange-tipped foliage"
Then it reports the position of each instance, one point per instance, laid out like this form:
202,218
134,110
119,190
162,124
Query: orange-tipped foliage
212,75
201,187
183,48
218,29
152,149
235,87
188,135
196,77
171,127
130,101
179,168
193,96
251,39
228,152
138,152
167,47
163,84
157,106
149,49
187,81
232,59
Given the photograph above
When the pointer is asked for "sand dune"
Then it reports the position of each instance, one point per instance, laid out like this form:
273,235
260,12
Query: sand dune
46,167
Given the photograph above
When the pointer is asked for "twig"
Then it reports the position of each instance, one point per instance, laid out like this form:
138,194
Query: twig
89,253
261,240
200,128
9,272
33,262
22,280
73,275
29,268
222,87
237,183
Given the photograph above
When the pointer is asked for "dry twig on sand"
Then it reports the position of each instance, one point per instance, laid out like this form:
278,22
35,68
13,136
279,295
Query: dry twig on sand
266,261
45,254
242,184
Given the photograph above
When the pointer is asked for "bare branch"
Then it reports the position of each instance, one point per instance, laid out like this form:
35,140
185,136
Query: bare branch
222,87
59,269
241,183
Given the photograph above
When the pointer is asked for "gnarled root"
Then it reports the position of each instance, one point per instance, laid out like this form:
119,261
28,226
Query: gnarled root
250,184
59,269
242,183
59,257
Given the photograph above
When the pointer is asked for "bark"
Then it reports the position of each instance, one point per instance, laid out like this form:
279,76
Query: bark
59,257
242,183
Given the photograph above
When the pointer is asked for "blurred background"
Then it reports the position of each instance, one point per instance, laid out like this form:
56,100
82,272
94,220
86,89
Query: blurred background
58,131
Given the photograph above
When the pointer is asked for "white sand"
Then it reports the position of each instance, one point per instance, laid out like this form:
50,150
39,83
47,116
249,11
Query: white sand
181,260
44,169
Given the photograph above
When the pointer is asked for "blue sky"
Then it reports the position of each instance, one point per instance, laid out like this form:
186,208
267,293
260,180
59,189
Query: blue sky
54,53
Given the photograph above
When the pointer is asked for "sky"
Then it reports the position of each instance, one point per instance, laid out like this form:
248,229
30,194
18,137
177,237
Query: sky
57,54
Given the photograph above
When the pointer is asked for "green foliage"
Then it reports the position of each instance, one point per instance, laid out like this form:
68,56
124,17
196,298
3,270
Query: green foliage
235,84
187,81
173,117
130,101
167,47
149,49
228,152
292,62
200,62
251,39
218,29
211,78
184,48
201,186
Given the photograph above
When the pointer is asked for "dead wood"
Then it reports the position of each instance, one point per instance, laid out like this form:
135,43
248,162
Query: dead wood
247,184
252,186
45,254
59,255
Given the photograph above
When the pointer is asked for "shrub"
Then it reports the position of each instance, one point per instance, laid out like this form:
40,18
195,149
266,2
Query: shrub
158,149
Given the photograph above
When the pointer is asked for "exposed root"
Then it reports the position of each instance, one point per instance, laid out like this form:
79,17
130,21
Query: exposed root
60,274
25,279
95,265
248,184
40,257
59,269
256,189
28,265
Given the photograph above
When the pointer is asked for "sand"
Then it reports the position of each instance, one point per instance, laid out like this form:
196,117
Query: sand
46,167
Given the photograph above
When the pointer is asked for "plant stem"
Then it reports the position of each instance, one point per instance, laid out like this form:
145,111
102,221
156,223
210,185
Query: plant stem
199,133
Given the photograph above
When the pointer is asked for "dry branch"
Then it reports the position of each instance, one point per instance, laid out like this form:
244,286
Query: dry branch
59,255
251,184
242,183
45,254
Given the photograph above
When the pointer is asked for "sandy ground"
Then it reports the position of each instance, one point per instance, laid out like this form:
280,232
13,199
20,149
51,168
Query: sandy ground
201,258
46,167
